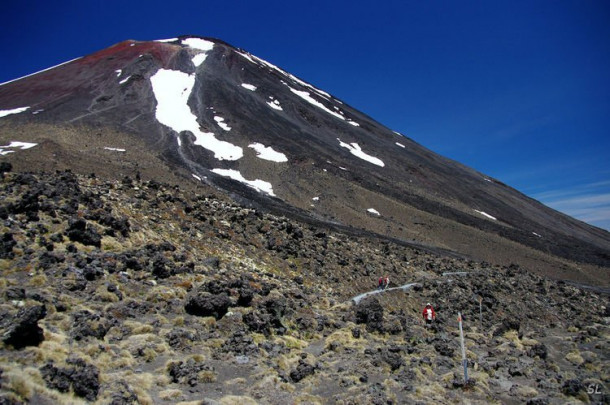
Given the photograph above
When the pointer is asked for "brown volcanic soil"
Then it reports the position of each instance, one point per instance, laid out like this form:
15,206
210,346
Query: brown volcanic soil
82,149
141,292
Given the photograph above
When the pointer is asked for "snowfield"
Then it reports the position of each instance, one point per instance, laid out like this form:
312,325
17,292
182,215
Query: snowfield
248,86
258,185
15,145
486,215
172,89
355,150
4,113
267,153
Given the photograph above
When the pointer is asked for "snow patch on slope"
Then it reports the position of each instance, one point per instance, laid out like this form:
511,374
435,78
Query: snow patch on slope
221,123
268,153
4,113
355,150
486,215
201,45
373,211
198,43
172,89
258,185
275,104
305,95
248,86
14,145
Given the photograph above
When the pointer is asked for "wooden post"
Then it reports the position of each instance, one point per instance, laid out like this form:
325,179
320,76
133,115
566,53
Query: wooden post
464,359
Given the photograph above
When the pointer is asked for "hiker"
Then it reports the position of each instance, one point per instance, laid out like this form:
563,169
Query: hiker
429,314
380,283
386,282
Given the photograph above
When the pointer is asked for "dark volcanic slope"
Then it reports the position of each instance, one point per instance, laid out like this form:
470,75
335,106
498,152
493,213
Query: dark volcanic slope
220,115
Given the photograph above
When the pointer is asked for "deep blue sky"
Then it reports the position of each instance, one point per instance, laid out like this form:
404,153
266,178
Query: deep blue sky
519,90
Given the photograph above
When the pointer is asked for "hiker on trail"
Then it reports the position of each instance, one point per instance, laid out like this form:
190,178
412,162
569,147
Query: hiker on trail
429,314
380,283
386,282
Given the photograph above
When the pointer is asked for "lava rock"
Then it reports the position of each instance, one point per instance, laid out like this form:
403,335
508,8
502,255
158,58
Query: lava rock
80,231
259,322
240,343
6,246
24,330
82,377
301,371
206,304
370,312
187,372
180,338
572,387
539,350
89,324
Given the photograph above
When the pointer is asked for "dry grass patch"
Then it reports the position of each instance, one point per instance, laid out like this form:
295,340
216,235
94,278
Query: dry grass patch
308,399
291,342
38,280
237,399
170,394
138,328
110,244
343,338
575,358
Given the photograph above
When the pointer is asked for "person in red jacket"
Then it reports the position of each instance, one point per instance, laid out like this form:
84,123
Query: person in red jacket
429,314
380,283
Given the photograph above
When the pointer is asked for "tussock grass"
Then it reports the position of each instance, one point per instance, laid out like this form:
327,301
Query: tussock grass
343,338
287,362
206,376
575,358
432,392
138,328
237,399
291,342
513,337
308,399
110,244
102,294
170,394
39,280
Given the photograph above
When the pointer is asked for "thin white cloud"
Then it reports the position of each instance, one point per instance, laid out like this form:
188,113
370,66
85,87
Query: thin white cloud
588,202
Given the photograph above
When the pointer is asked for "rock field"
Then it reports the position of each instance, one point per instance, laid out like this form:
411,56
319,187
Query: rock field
139,292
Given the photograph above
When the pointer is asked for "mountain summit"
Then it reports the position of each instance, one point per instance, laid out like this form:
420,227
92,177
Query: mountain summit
199,111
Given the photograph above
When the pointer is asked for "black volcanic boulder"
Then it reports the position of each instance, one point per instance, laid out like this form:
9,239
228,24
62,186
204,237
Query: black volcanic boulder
206,304
23,329
370,312
538,350
89,324
80,231
572,387
301,371
6,246
5,167
82,377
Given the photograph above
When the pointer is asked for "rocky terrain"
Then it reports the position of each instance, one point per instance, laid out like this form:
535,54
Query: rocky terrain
135,291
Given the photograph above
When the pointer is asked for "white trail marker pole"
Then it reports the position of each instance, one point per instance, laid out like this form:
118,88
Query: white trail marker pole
464,359
480,314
